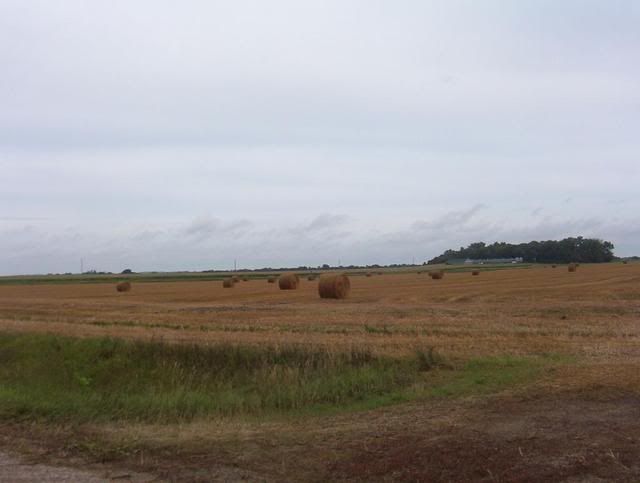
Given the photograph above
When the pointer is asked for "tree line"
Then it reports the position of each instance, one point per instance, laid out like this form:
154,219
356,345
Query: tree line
585,250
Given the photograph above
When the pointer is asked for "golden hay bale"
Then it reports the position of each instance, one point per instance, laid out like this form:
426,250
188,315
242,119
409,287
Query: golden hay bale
475,272
228,282
123,287
554,266
369,274
572,267
245,279
271,280
436,274
235,278
624,262
311,277
334,286
288,281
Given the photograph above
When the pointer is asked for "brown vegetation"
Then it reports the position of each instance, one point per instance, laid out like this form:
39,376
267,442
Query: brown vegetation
572,267
436,274
288,281
334,286
228,282
475,272
123,287
513,311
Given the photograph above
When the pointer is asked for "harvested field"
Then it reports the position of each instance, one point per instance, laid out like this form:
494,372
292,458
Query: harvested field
523,375
591,312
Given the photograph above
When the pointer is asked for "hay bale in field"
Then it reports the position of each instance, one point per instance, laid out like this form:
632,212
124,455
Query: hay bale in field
436,274
228,282
123,287
475,272
311,277
334,286
245,279
271,280
288,281
572,267
369,274
235,278
554,266
624,262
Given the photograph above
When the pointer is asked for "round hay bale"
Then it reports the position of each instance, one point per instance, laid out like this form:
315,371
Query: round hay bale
624,262
436,274
271,280
311,277
235,278
245,279
554,266
369,274
572,267
379,273
123,287
288,281
228,282
334,286
475,272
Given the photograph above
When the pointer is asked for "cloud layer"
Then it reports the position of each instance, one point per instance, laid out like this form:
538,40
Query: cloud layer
164,136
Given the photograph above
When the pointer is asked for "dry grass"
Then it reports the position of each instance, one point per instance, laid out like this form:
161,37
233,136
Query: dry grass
288,281
593,312
123,287
436,274
334,286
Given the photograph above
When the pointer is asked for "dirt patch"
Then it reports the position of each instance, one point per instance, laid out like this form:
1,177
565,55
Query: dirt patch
17,469
534,440
573,437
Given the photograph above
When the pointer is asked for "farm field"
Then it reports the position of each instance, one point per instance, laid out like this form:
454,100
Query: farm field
525,374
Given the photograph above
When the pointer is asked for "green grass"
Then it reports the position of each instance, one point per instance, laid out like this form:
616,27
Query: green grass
491,374
53,378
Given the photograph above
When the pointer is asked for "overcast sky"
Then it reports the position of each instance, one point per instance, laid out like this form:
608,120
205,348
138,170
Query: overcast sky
166,135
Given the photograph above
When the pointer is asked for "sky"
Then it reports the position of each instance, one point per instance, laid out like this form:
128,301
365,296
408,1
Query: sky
164,135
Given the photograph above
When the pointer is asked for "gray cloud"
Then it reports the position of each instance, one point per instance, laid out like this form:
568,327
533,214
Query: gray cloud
164,135
326,220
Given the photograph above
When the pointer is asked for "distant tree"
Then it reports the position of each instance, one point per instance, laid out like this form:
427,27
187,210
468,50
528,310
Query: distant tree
586,250
127,271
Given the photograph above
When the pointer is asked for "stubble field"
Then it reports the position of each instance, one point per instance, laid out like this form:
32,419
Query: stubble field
593,312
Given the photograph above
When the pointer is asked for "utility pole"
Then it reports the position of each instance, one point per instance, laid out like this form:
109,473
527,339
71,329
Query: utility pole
235,265
81,266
